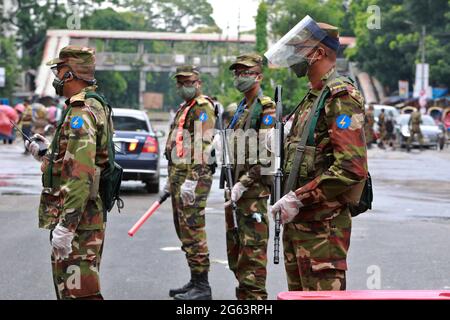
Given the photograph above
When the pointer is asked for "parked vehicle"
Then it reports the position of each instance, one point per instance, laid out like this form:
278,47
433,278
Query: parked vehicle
431,132
137,147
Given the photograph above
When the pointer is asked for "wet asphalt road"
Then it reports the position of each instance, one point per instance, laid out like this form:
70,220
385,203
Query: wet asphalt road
401,244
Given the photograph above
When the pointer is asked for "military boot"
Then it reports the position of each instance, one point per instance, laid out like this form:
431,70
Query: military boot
200,291
183,289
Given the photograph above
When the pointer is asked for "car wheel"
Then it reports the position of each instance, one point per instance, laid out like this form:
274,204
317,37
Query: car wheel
152,187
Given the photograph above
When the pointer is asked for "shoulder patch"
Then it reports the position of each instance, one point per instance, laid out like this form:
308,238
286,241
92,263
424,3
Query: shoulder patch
267,120
203,116
343,121
76,122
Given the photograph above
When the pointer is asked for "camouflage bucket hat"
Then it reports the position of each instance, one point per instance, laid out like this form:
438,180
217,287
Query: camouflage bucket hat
248,60
80,59
186,71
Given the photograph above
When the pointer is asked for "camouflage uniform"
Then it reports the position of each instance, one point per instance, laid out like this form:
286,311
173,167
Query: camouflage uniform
190,220
368,127
26,119
247,249
70,195
317,240
414,123
382,128
40,120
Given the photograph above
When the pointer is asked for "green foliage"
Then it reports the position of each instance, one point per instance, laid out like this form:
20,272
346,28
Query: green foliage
287,13
109,19
174,15
113,85
10,62
391,52
293,88
261,28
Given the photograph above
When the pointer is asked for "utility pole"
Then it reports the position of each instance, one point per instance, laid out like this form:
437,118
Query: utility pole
239,30
423,56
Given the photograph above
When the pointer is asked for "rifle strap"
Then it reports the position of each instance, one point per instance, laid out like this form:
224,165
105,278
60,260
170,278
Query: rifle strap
248,121
300,150
48,177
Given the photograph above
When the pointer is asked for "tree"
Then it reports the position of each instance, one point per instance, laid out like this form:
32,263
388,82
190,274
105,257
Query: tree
32,18
10,62
391,52
261,28
174,15
285,14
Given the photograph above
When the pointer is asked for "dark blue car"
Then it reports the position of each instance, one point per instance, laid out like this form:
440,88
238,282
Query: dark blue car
137,147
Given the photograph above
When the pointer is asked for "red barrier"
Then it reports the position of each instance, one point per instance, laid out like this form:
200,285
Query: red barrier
366,295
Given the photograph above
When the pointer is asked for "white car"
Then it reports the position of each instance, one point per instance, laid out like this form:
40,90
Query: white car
430,131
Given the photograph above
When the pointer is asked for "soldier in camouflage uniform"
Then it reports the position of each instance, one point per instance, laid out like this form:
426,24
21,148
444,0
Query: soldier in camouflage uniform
382,128
315,212
247,245
70,203
25,120
414,128
188,151
369,121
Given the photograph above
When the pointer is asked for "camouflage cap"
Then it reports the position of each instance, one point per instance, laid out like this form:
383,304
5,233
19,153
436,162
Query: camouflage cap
248,60
186,71
80,59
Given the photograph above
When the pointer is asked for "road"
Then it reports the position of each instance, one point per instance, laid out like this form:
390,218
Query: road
401,244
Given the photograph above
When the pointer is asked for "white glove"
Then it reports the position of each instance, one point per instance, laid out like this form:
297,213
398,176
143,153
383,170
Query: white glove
289,205
62,242
188,192
270,140
33,147
166,188
237,191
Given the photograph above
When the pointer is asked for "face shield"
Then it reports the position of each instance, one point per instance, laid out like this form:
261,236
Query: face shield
295,46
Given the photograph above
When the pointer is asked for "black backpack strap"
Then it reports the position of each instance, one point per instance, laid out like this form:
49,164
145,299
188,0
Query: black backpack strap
108,110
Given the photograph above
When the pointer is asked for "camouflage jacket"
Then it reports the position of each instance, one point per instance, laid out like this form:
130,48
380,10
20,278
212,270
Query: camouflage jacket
27,116
337,161
197,147
415,120
248,169
71,197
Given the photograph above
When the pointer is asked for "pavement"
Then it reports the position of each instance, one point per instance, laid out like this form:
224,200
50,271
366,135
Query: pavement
401,244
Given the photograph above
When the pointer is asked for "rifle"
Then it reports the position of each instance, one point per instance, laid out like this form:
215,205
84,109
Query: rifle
279,136
226,171
155,206
42,147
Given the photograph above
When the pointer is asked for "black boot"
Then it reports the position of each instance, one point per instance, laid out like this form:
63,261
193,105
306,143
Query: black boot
183,289
200,291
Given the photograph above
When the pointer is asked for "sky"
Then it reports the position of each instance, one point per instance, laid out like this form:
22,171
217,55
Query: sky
229,12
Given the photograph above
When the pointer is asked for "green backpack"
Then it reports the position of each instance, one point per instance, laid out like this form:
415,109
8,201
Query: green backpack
111,176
